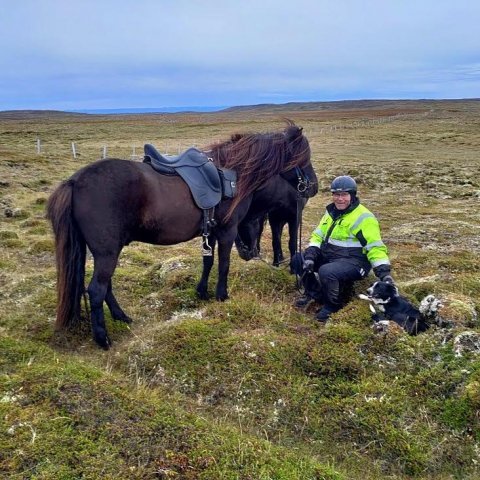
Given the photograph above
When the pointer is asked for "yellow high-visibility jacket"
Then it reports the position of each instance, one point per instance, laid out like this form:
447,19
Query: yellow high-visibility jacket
353,236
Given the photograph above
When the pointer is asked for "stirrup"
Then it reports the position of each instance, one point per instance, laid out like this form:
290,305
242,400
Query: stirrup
207,250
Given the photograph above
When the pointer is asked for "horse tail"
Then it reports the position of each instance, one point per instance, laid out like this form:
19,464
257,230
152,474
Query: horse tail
70,253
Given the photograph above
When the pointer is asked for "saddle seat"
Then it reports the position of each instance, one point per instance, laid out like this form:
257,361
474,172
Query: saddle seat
207,183
189,158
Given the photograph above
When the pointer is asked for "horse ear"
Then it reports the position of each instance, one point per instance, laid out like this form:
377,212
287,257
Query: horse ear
293,133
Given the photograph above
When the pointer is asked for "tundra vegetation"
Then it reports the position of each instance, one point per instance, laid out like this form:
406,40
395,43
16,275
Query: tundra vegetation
250,388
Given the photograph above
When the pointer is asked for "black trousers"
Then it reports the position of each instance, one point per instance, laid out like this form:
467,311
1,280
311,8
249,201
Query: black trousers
333,283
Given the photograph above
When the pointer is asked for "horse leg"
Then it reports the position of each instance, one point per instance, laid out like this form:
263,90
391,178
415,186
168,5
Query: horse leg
202,287
292,241
97,291
225,244
258,234
277,226
115,309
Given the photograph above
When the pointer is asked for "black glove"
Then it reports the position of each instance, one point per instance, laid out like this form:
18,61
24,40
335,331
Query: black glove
383,273
308,265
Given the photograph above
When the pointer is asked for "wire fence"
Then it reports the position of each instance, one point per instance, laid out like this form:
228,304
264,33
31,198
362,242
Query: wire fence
97,149
134,150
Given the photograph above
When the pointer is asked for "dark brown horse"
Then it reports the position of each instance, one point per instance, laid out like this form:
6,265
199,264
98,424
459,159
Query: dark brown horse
111,203
279,203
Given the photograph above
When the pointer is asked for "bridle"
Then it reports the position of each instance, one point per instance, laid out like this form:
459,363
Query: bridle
303,186
304,183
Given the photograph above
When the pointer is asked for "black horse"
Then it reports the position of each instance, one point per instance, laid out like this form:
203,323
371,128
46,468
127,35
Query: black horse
111,203
280,203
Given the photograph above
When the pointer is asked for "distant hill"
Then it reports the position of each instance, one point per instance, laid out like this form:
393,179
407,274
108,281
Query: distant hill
338,105
263,107
22,114
136,111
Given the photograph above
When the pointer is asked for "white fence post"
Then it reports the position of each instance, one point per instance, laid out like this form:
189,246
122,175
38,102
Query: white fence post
39,147
74,151
104,151
134,155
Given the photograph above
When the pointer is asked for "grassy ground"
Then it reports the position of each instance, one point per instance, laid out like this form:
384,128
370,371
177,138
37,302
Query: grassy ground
249,388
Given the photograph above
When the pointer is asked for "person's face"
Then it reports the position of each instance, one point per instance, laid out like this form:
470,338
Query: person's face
341,200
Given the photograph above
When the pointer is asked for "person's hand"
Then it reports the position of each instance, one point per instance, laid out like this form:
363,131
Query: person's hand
308,265
382,272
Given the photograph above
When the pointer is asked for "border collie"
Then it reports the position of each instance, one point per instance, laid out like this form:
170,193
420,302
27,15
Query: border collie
384,296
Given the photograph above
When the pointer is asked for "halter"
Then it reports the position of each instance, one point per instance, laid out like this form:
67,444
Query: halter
304,182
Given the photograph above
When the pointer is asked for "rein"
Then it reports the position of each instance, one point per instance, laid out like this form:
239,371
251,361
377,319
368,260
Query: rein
302,187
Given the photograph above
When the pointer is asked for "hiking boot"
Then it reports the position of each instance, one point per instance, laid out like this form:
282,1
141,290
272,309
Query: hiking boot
324,313
303,301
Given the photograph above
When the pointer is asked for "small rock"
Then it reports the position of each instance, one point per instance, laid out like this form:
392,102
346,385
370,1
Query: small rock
386,327
466,342
15,213
450,310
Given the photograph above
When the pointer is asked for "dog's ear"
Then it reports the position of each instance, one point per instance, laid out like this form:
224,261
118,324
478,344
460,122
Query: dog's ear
391,289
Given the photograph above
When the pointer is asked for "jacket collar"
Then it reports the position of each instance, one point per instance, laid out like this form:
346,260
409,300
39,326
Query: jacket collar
335,213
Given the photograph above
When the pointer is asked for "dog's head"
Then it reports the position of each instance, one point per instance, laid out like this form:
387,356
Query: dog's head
382,292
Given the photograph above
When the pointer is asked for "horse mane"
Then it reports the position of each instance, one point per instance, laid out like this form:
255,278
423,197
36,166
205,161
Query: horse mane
257,157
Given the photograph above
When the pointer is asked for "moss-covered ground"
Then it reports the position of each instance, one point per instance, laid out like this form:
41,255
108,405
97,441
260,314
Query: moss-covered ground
250,388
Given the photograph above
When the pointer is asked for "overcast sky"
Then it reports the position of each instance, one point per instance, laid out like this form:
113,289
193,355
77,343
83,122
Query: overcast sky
93,54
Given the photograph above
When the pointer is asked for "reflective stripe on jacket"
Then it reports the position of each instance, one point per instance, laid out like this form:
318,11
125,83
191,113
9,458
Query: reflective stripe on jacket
354,235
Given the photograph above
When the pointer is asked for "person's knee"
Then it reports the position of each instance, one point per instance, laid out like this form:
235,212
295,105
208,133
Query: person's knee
327,273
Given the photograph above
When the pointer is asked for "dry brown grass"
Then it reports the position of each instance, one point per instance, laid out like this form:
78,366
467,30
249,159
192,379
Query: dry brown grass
253,363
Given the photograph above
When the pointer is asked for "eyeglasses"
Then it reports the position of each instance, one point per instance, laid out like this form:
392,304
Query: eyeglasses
341,194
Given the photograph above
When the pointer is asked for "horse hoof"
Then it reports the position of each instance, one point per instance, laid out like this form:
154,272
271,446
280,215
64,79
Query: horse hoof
222,298
202,295
103,342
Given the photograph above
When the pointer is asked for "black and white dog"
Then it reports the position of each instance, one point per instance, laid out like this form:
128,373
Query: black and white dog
384,297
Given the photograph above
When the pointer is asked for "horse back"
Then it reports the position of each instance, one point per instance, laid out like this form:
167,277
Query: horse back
118,201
